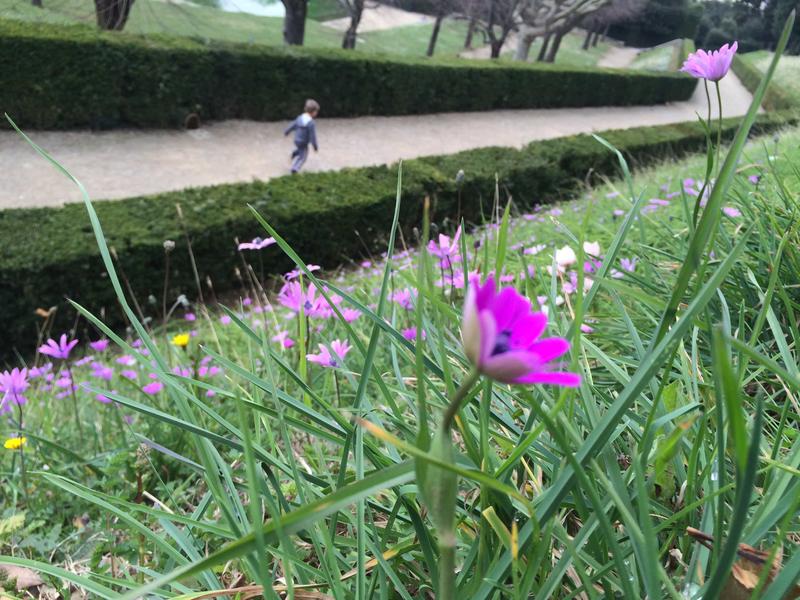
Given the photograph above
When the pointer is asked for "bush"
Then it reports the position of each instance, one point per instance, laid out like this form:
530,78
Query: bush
75,76
49,254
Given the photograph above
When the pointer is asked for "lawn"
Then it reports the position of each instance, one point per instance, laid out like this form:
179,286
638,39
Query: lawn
787,74
654,59
300,414
570,53
207,23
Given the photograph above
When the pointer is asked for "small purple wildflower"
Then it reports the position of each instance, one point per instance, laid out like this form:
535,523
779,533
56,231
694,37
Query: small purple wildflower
501,338
99,345
325,358
257,244
731,212
153,388
13,384
60,349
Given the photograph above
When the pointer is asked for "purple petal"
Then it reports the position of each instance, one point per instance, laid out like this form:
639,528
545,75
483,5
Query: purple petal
551,377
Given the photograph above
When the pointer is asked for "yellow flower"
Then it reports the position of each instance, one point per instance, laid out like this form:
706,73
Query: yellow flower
181,340
15,443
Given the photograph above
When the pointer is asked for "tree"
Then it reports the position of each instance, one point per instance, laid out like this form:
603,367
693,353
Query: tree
37,3
355,8
443,9
294,21
499,18
552,19
112,14
599,22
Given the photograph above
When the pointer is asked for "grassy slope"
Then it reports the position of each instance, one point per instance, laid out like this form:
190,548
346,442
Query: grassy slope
570,52
655,59
788,73
158,17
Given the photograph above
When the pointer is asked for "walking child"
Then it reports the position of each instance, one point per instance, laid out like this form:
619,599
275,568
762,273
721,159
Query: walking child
305,133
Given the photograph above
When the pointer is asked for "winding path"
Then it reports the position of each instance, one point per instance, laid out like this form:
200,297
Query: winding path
123,163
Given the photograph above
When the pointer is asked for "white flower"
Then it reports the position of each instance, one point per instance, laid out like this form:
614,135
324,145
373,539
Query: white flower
592,249
565,257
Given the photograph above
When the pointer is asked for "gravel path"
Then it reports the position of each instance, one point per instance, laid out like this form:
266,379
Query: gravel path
618,57
123,163
379,18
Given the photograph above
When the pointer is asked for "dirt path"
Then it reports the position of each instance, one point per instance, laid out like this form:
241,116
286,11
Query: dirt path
124,163
618,57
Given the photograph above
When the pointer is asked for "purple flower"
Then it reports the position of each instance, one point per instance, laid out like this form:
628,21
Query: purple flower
731,212
153,388
628,264
99,345
325,358
351,314
257,244
501,334
446,249
190,316
411,334
754,179
101,371
282,337
710,65
13,384
60,349
225,320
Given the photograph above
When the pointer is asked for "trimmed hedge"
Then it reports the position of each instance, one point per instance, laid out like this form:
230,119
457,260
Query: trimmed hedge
776,98
49,254
75,76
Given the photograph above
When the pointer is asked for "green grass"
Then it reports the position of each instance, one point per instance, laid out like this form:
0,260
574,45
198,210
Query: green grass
412,40
788,73
654,59
297,417
150,17
570,53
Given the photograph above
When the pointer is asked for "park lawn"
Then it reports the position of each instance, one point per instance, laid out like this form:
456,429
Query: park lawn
654,59
787,74
571,52
170,18
412,40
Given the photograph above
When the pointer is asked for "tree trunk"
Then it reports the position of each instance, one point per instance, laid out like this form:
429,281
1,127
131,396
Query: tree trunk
497,45
111,14
524,46
587,40
37,3
545,46
596,39
294,23
605,31
349,41
434,35
551,55
470,32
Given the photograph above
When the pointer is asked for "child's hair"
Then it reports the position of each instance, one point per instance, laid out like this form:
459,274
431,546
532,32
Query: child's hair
312,106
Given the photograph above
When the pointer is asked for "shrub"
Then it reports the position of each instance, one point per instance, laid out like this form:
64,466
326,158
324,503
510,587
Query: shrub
74,76
49,254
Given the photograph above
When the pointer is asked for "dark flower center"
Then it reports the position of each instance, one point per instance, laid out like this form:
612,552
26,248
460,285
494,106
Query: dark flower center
501,344
307,305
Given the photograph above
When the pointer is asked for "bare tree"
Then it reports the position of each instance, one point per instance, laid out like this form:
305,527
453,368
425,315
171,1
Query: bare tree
599,22
355,8
37,3
444,8
294,21
499,18
112,14
552,19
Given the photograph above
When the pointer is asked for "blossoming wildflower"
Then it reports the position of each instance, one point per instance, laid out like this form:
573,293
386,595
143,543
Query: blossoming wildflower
13,384
731,212
282,337
446,249
153,388
60,349
257,244
325,358
15,443
181,340
710,65
99,345
501,338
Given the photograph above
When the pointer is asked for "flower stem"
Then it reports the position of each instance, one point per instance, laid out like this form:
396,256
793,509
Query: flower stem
21,449
458,398
447,568
74,399
719,125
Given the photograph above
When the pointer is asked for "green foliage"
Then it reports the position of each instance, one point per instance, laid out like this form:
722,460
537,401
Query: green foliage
661,21
69,76
49,254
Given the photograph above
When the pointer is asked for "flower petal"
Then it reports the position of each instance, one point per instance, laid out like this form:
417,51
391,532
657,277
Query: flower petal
563,379
507,367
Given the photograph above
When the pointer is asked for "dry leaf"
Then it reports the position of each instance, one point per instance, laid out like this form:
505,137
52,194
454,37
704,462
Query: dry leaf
26,578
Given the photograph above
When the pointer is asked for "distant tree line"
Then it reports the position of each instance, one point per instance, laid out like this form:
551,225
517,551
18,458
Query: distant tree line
756,24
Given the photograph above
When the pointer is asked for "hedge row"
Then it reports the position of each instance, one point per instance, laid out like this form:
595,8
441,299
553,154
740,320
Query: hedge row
75,76
49,254
776,98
